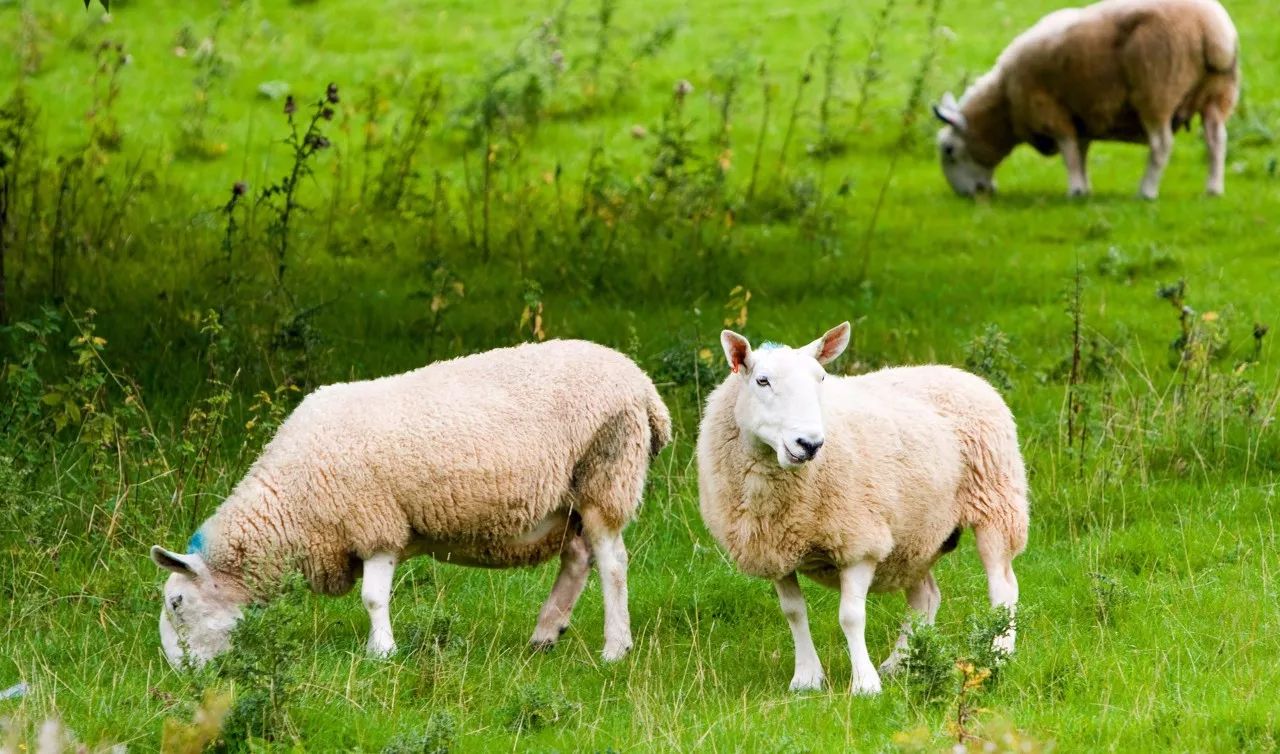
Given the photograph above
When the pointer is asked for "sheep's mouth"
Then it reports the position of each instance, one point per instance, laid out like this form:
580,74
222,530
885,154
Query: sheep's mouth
793,457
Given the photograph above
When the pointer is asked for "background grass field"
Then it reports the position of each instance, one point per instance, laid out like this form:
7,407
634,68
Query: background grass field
557,185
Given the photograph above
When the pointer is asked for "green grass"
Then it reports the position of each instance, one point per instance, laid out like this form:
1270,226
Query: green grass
1149,588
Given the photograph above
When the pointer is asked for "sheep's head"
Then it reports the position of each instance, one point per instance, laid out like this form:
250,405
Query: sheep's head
966,176
780,404
198,612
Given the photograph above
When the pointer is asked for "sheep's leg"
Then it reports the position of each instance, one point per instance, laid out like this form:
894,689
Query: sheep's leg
1215,138
1075,153
1002,584
375,591
611,559
1160,137
855,582
575,565
808,675
922,604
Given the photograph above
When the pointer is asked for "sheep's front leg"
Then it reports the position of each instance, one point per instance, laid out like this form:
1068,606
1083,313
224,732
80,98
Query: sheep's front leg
1215,138
922,604
855,582
1075,154
1160,138
375,591
808,675
611,560
575,565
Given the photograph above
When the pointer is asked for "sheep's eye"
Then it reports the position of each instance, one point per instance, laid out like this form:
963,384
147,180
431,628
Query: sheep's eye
762,381
176,602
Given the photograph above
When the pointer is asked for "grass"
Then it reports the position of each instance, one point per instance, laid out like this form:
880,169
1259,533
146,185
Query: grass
1149,587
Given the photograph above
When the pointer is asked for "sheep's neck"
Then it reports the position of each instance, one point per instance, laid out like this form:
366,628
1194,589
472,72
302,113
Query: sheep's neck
767,488
989,134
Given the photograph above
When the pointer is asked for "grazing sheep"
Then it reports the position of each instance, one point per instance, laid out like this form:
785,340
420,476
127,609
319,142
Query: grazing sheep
500,459
1118,70
859,483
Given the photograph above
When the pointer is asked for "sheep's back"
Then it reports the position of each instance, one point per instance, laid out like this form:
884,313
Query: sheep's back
478,447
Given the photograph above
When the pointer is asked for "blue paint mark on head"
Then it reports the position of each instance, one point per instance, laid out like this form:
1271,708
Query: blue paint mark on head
196,543
769,345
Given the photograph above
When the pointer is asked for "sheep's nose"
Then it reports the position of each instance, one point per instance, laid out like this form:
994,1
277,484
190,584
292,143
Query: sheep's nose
810,446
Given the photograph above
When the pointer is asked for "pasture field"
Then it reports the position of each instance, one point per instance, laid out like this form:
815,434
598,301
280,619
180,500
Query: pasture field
499,172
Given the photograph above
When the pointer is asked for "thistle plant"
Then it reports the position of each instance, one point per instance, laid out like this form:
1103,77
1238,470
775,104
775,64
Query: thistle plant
282,197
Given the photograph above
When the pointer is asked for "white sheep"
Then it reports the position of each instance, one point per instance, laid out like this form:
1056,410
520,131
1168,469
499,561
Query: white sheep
1117,70
500,459
859,483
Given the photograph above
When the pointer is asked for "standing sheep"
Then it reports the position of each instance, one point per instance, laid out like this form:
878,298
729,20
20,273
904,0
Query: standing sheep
1118,70
859,483
500,459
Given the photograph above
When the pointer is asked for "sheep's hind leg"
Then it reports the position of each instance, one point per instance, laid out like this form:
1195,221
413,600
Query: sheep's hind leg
1160,137
553,620
855,582
611,560
1075,154
923,599
1215,139
1002,584
375,592
808,675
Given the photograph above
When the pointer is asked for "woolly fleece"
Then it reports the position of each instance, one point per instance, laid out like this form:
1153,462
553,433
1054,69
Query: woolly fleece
911,454
486,460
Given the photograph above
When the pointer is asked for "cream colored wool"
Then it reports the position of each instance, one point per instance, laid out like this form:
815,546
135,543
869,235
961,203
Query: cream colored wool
1117,70
911,454
455,459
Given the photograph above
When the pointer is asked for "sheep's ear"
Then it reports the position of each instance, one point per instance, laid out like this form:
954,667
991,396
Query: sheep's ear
172,561
829,347
736,349
948,111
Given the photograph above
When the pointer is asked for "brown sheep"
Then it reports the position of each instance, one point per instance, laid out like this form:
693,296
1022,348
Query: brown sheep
1117,70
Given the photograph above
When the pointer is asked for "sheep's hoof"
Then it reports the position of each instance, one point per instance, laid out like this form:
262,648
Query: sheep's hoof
380,651
1078,193
615,653
865,687
802,683
1150,196
891,666
542,645
1214,191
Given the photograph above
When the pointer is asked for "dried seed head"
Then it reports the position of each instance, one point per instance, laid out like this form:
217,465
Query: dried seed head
331,93
239,189
327,113
683,88
290,107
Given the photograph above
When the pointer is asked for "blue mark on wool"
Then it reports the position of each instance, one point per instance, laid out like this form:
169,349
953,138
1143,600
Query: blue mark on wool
196,543
769,345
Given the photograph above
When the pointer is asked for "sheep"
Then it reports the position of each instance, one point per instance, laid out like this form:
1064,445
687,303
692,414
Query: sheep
1117,70
500,459
859,483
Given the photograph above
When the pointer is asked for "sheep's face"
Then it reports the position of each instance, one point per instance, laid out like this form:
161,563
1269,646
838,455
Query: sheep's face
966,176
198,613
780,403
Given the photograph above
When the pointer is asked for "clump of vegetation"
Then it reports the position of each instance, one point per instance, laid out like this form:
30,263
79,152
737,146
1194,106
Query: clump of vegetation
533,707
987,354
439,736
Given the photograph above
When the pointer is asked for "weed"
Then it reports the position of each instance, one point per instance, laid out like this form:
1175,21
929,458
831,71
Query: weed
532,707
439,736
988,355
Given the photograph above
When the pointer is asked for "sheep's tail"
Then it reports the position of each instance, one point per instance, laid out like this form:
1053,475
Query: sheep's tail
659,422
1221,42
